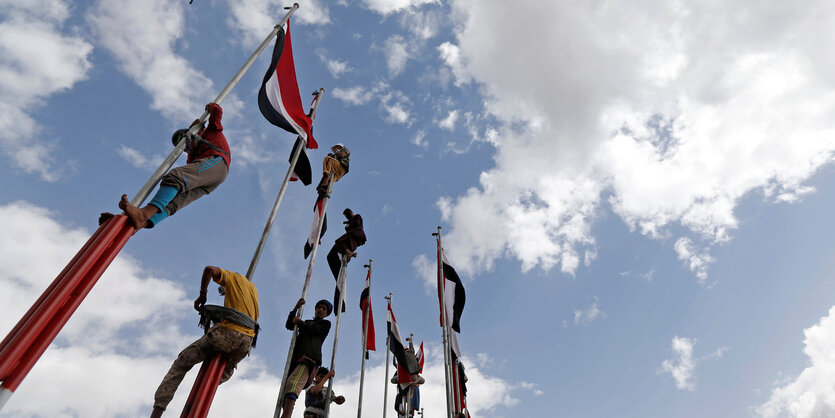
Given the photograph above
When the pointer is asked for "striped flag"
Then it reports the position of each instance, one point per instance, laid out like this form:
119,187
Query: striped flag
279,98
365,300
317,213
453,296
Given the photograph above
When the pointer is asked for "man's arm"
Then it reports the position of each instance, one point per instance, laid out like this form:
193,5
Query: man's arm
317,388
209,273
293,319
215,114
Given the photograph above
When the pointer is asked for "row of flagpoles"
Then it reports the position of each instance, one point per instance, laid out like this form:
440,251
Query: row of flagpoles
280,103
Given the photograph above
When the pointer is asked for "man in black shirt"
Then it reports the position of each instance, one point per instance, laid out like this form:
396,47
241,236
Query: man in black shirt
307,354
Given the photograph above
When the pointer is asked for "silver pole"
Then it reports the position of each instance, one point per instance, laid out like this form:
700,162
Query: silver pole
388,353
149,185
343,272
364,338
307,277
444,329
281,191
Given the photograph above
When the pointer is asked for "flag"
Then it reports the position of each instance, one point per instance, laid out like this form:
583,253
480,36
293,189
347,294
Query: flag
454,295
459,379
419,356
317,213
396,347
364,300
302,170
279,98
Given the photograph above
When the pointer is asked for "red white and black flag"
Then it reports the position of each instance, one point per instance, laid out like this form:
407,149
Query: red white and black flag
451,293
396,346
302,170
366,301
317,214
279,98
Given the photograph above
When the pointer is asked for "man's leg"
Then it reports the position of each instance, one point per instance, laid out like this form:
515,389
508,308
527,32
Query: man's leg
191,355
296,382
194,181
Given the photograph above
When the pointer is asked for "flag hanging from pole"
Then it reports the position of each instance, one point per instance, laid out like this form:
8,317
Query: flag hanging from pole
454,296
366,301
302,170
279,98
396,347
419,356
317,214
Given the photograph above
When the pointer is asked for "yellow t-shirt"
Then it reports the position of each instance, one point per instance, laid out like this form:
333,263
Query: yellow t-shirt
241,295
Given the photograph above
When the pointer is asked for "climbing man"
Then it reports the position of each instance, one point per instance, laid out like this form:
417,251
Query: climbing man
316,396
206,168
307,354
336,162
346,244
232,336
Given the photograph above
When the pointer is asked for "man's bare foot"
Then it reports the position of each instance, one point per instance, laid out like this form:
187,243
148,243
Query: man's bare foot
138,217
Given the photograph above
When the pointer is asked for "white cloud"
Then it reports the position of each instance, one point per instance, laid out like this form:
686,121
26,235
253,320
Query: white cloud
393,103
700,112
37,59
385,7
254,19
424,24
590,314
397,54
450,54
142,37
448,122
682,364
356,95
337,67
697,260
396,107
427,271
420,139
812,392
139,160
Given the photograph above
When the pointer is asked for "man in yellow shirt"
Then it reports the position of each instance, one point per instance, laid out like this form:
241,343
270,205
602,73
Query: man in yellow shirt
232,336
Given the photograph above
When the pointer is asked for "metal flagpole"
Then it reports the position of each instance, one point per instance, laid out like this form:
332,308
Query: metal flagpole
343,272
444,328
282,190
149,185
280,402
364,337
388,353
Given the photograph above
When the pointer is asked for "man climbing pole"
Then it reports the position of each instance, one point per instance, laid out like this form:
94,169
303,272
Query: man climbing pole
233,335
347,244
336,163
316,395
307,354
206,168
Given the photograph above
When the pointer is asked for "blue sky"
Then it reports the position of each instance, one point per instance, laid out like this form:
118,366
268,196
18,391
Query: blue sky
636,196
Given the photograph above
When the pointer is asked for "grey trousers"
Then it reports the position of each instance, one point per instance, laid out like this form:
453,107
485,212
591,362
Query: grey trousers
194,180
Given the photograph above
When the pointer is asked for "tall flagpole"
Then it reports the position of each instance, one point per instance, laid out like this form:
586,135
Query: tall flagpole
343,272
280,402
388,353
407,408
149,185
444,329
293,160
365,337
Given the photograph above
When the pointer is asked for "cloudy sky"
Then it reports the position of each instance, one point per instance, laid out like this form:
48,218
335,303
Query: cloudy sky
634,194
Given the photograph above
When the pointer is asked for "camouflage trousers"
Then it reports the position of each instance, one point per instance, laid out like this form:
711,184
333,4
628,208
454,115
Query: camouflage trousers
218,340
